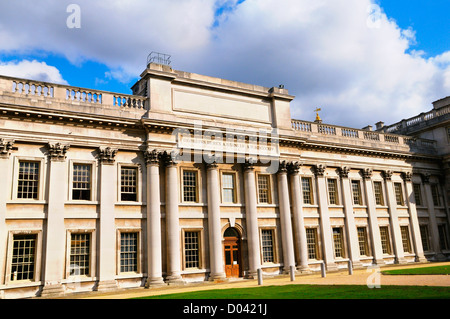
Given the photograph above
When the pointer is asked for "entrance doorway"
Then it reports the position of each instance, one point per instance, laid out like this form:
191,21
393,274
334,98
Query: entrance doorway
232,251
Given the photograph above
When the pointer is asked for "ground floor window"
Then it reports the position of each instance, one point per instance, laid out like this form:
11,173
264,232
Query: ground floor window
312,243
192,249
405,239
362,240
385,242
23,257
129,252
443,240
80,254
425,236
267,246
338,239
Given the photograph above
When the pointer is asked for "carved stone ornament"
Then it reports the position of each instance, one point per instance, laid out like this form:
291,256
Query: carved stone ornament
107,155
344,171
283,167
212,161
249,164
5,148
152,157
319,170
387,175
170,159
367,173
57,151
407,176
294,167
426,178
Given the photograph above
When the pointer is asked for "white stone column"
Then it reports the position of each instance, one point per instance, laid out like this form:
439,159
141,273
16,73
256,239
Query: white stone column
251,218
393,218
432,218
350,226
285,218
214,227
154,254
413,218
172,222
5,185
55,230
106,225
325,225
374,228
298,219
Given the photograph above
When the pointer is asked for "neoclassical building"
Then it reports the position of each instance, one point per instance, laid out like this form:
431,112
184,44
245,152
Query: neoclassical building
195,178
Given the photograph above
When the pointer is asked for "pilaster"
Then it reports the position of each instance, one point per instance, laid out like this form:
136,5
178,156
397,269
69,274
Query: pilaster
154,254
55,235
107,228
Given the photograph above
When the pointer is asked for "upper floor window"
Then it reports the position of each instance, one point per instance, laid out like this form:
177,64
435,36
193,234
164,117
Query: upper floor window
28,180
417,194
307,190
82,182
399,194
435,194
356,190
333,192
190,192
264,189
229,188
128,184
378,190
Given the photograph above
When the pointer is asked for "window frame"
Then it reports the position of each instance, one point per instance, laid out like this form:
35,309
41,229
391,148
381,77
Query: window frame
425,237
93,192
336,192
435,195
269,190
382,198
197,185
316,243
92,258
359,194
343,250
388,247
406,239
398,193
418,195
139,178
41,181
365,242
199,232
311,190
274,245
235,187
139,256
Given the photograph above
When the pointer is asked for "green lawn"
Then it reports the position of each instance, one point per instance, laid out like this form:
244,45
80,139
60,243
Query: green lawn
436,270
316,292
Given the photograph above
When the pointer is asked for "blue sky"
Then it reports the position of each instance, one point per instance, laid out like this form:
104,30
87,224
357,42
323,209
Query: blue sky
325,53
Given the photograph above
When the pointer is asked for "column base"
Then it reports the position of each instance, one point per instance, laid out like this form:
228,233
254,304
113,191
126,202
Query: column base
50,291
218,278
440,257
155,282
357,264
175,280
421,259
401,261
331,267
304,270
106,285
379,262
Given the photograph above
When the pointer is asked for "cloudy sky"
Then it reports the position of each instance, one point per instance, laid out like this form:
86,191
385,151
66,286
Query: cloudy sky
361,61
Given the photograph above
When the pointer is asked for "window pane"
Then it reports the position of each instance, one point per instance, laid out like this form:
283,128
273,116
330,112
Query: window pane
80,254
190,186
129,252
417,194
338,242
307,190
405,239
28,180
264,189
398,194
128,184
425,237
356,189
378,190
23,257
311,239
435,194
267,245
81,188
191,249
385,243
332,192
362,239
228,185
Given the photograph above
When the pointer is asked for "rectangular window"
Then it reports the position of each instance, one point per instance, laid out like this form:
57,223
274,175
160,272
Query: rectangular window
264,189
129,252
28,180
399,194
23,257
378,190
417,194
80,254
192,249
425,236
443,240
405,239
312,244
385,242
190,186
332,192
338,239
356,189
228,188
128,184
82,181
435,194
267,246
362,240
307,190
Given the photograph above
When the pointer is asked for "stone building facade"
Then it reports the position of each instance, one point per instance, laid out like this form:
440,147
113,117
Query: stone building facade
196,178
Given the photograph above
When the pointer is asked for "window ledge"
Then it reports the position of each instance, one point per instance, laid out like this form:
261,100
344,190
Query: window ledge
81,202
27,202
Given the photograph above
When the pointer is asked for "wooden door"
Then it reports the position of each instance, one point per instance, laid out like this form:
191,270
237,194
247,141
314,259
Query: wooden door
232,257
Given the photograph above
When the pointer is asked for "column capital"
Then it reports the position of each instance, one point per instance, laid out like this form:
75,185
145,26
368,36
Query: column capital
387,175
344,171
212,161
407,176
57,151
319,170
249,164
425,178
283,167
367,173
170,159
107,155
5,148
294,167
152,157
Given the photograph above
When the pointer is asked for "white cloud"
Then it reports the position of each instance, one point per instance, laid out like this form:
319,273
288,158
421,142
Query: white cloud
32,70
341,55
